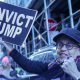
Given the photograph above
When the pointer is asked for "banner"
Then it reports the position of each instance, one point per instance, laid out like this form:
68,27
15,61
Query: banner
15,23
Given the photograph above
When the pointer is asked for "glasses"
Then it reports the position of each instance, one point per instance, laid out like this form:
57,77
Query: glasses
69,46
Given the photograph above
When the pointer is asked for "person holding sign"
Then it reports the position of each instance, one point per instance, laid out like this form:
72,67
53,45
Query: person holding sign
66,66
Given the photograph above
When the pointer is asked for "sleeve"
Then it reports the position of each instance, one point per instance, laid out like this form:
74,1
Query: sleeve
36,67
28,65
54,72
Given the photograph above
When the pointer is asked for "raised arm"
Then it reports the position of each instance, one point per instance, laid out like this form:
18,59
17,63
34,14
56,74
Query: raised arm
33,66
27,64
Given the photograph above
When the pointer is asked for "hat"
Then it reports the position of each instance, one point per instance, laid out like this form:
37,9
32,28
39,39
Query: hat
69,32
5,59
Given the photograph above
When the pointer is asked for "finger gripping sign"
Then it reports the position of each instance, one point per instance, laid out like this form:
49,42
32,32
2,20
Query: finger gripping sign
15,23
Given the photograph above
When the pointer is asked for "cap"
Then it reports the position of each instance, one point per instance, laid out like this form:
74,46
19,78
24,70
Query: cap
69,32
5,59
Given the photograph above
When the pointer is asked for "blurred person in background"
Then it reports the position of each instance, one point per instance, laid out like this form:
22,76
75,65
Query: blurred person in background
5,69
66,66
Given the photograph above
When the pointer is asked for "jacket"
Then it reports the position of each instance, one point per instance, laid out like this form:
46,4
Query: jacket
42,69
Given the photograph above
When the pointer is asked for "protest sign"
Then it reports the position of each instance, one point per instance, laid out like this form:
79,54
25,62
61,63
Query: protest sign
15,23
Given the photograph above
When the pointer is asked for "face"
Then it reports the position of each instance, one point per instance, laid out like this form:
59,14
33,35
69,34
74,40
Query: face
67,48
